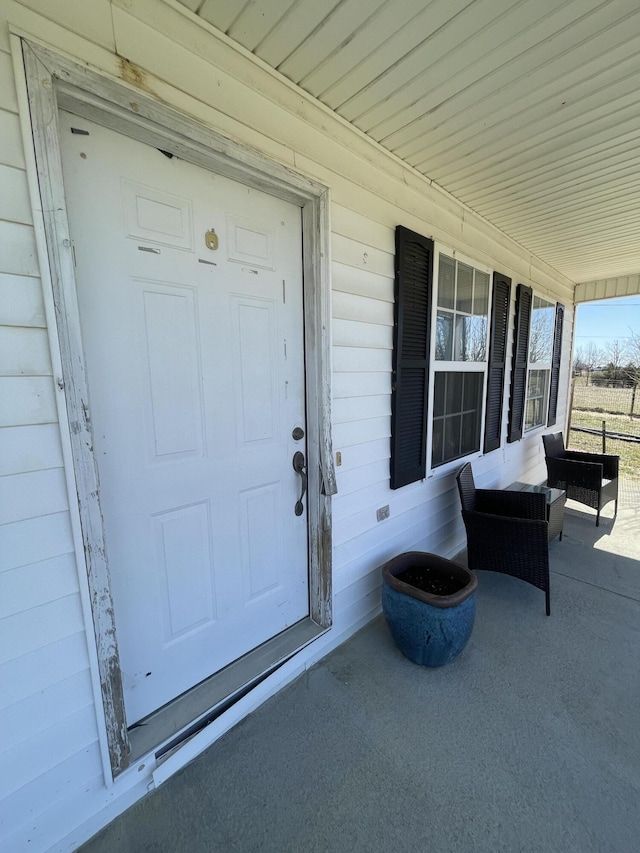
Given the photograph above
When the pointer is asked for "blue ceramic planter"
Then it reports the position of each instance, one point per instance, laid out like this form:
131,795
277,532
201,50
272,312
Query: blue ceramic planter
431,630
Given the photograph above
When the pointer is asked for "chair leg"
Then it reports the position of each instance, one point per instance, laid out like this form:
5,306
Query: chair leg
547,594
598,518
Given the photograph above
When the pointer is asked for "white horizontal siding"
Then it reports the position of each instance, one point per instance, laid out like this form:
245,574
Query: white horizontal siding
36,671
35,628
29,448
39,583
352,359
362,256
91,20
14,202
350,409
346,305
32,716
347,333
364,476
361,384
27,400
360,432
363,454
37,493
52,793
11,151
24,351
21,301
17,248
8,99
36,539
361,282
38,755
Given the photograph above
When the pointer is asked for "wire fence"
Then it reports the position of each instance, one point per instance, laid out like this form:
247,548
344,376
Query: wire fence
606,418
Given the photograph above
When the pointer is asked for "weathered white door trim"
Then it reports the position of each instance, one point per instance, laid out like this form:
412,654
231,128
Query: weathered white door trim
54,82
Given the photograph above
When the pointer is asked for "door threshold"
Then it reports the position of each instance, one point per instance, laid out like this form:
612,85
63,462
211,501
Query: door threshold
180,719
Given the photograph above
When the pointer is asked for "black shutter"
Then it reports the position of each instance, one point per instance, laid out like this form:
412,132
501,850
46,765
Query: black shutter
555,365
497,360
410,378
524,297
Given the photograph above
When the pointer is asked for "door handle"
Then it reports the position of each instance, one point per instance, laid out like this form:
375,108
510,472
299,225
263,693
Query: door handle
299,468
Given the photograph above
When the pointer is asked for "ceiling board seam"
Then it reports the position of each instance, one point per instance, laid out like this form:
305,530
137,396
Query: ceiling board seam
499,127
547,197
496,163
533,49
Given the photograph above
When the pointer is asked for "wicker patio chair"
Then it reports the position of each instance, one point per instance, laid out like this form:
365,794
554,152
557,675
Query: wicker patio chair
506,532
590,478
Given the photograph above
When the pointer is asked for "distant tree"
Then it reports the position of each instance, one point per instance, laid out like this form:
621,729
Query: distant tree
593,358
615,353
633,348
579,361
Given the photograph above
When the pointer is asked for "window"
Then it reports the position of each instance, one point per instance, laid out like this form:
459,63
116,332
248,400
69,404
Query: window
539,364
535,374
460,359
447,354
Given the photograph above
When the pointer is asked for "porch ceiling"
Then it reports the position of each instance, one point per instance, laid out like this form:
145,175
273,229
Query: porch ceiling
527,112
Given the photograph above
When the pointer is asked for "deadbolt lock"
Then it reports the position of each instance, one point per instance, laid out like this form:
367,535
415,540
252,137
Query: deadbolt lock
211,240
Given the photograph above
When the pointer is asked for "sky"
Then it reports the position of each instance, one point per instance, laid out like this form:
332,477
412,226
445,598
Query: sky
607,320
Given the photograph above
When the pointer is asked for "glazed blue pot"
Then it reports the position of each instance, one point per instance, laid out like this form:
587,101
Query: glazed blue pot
430,629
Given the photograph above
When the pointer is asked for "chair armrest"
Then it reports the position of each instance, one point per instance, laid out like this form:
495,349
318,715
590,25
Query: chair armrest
514,505
609,461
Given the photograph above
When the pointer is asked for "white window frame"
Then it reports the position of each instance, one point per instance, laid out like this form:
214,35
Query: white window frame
436,366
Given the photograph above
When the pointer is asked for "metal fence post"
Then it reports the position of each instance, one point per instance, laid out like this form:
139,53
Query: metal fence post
604,436
633,399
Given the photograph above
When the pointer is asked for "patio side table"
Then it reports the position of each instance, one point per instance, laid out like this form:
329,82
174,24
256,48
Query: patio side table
556,499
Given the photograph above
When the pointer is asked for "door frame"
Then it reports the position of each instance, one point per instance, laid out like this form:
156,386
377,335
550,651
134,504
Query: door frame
54,82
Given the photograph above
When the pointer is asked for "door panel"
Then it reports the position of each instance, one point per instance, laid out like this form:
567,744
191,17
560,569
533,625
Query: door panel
195,367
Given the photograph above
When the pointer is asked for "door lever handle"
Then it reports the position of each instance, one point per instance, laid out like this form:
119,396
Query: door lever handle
299,468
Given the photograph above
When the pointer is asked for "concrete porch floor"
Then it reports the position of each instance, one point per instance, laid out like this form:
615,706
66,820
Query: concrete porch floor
530,741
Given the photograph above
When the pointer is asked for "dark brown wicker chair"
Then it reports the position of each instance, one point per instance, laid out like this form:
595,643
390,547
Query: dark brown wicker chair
506,532
590,478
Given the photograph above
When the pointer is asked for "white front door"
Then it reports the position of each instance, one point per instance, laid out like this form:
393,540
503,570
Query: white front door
190,298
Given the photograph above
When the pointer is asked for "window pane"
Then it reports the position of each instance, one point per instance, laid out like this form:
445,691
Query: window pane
457,415
461,331
437,449
470,441
533,417
460,352
452,437
537,391
541,340
444,336
472,391
446,282
481,294
438,394
454,392
464,301
471,337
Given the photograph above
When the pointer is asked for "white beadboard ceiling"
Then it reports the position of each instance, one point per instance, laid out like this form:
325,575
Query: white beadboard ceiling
528,111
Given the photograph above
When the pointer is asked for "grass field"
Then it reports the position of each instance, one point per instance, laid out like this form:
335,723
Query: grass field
601,399
592,405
